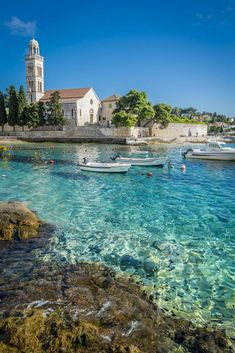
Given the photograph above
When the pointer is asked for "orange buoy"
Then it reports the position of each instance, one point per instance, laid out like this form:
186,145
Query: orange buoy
149,174
183,167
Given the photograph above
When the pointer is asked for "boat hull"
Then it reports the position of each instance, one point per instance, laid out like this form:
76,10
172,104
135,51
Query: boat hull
105,167
143,162
215,156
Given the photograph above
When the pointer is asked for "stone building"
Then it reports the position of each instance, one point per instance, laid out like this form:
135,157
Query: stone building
80,106
34,72
107,107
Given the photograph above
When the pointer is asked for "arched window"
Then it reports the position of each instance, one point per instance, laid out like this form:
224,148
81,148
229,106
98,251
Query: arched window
91,102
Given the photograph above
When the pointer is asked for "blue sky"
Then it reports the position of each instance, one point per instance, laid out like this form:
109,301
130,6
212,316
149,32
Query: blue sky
181,52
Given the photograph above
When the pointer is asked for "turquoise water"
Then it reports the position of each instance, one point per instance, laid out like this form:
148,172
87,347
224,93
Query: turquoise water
174,231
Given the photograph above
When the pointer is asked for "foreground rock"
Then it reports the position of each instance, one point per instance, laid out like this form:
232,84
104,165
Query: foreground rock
86,308
17,222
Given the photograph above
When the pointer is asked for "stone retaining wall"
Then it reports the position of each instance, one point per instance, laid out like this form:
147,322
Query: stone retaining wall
177,130
87,132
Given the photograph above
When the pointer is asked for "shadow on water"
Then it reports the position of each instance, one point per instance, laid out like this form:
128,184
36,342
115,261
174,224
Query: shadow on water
72,176
39,161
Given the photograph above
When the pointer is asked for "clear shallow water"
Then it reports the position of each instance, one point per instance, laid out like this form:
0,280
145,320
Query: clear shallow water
175,231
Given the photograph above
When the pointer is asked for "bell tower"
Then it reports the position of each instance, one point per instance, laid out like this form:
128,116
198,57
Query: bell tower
34,72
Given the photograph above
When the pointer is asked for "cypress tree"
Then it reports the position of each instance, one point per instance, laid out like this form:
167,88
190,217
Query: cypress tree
41,113
31,115
54,110
22,104
3,113
13,107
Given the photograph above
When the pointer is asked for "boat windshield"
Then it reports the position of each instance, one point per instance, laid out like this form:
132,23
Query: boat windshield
217,145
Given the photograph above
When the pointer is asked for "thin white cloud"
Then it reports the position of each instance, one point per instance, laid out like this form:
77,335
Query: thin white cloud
202,17
229,9
21,28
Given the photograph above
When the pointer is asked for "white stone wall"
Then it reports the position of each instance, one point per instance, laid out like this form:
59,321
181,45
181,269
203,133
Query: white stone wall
176,130
69,110
87,132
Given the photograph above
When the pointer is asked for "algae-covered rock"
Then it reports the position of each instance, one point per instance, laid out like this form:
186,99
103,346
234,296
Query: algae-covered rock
17,222
86,308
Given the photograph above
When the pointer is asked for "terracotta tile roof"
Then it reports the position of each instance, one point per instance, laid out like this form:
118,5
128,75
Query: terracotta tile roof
112,98
70,93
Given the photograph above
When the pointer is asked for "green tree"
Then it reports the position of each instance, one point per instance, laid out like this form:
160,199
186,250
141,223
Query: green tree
54,110
176,111
123,118
41,113
13,107
137,104
22,104
31,115
162,114
3,113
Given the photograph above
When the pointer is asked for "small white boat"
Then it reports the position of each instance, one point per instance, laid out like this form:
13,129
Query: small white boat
213,150
157,162
105,167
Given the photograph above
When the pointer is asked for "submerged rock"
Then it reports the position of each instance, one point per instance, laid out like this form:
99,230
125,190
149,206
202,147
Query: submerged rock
17,222
86,308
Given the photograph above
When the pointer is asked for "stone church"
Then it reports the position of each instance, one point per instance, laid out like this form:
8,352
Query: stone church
80,106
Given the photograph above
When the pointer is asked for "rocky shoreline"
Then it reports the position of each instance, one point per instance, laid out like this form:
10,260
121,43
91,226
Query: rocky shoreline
57,307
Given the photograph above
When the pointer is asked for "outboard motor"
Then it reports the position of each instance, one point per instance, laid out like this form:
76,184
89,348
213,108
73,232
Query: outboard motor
184,154
114,158
85,160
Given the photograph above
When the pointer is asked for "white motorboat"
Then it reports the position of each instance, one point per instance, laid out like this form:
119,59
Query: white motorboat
157,162
213,150
105,167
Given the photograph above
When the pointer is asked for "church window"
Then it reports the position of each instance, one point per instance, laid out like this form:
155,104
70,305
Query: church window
110,106
39,69
91,101
39,86
30,85
30,70
72,112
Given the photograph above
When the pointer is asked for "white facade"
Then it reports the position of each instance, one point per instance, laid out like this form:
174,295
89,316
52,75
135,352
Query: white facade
80,106
88,109
34,72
